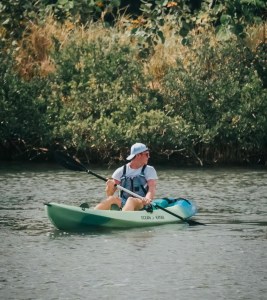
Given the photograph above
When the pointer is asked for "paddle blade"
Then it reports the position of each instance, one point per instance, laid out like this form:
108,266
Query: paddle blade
194,223
68,161
189,222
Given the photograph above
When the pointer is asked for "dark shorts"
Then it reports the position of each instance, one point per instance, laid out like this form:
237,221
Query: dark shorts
123,201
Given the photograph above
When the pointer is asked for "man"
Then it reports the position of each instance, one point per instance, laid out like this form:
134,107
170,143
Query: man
136,176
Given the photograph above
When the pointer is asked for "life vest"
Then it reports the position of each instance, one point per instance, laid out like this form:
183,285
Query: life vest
135,184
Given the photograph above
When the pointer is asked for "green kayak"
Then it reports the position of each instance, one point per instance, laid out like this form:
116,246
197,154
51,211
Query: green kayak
163,211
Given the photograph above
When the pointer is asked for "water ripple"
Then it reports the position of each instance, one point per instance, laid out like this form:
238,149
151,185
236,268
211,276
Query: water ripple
193,262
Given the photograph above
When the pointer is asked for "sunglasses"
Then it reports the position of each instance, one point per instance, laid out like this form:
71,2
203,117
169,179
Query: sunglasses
145,153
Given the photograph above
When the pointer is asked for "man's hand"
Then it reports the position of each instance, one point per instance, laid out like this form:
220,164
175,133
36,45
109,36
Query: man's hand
146,201
110,187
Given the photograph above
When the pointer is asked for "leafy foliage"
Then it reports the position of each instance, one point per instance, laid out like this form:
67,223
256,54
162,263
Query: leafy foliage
221,98
105,78
23,107
95,92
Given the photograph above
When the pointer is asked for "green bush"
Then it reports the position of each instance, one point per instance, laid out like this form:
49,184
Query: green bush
96,84
209,106
221,98
23,106
24,122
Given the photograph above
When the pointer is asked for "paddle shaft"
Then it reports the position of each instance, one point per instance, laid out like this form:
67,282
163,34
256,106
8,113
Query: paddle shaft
74,164
117,185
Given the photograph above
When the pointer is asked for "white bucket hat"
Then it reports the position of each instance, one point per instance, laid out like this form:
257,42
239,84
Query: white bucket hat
136,149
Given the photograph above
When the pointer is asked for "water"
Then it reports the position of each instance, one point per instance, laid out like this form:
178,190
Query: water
224,260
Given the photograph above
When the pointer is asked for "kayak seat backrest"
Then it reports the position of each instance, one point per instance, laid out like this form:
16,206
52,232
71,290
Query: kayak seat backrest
179,202
166,202
188,206
161,202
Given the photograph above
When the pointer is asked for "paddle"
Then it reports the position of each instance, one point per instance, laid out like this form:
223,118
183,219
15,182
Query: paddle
74,164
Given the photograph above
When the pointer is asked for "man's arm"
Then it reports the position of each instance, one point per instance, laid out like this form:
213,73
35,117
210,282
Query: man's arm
152,184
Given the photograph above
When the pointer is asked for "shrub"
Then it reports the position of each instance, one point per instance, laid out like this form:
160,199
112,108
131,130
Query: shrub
94,82
22,107
217,94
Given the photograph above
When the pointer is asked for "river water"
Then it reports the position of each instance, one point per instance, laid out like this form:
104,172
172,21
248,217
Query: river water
227,259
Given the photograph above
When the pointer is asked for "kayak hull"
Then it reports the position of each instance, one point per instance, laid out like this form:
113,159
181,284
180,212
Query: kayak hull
71,218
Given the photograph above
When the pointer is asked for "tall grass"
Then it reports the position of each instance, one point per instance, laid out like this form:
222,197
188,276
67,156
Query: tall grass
39,40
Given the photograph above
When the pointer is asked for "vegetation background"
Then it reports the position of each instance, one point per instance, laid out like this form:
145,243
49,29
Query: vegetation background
188,78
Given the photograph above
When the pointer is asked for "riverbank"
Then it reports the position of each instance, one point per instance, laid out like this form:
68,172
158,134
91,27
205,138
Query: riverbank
174,160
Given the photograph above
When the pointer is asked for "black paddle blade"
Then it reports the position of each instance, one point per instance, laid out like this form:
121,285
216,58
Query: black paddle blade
68,161
189,222
194,223
73,164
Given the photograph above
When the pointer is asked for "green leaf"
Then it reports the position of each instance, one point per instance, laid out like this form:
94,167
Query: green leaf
184,31
161,36
225,19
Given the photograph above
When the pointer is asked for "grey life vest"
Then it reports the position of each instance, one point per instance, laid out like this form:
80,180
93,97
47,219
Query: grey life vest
135,184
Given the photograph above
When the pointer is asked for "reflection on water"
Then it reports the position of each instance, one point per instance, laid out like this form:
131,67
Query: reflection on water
224,260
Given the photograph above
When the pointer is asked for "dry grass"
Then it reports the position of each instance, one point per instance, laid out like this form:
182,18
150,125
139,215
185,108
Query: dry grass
256,35
33,56
166,55
37,43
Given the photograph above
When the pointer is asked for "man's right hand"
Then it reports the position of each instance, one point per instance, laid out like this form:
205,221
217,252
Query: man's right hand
110,187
